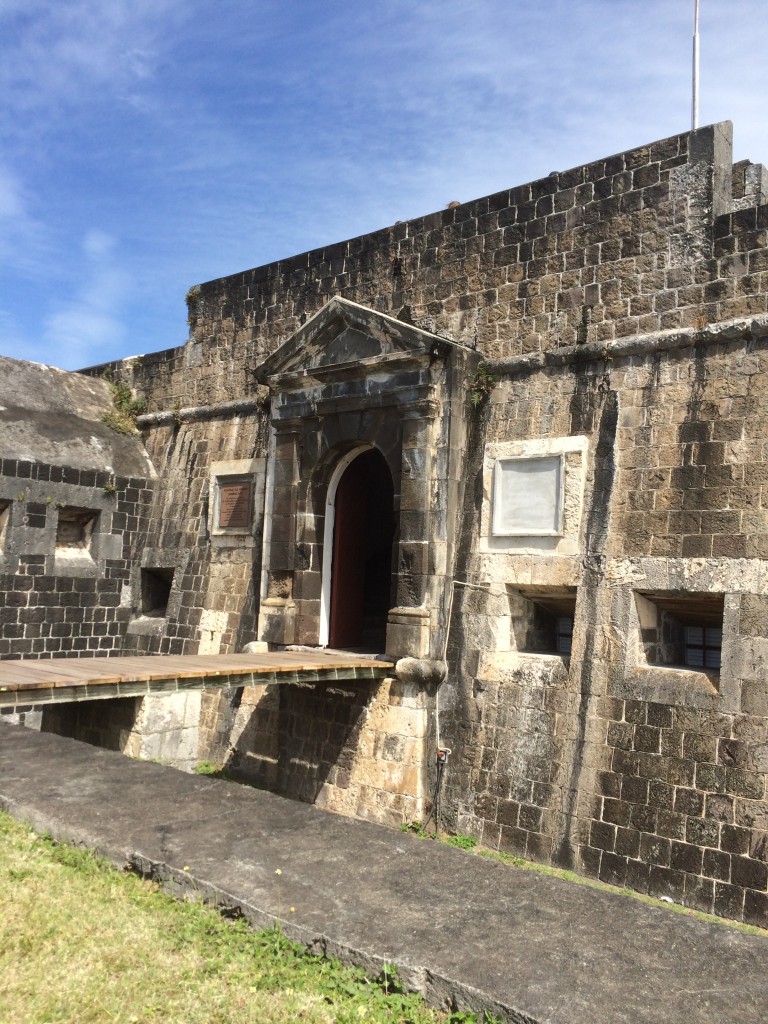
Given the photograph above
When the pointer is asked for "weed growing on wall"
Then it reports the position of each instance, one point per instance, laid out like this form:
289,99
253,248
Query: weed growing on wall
125,407
462,842
192,299
481,385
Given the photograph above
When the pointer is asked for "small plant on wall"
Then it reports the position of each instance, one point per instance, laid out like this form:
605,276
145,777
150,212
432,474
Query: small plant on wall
193,299
125,407
481,385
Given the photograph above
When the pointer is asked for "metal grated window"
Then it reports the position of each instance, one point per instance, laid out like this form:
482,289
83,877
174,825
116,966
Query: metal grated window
703,646
564,635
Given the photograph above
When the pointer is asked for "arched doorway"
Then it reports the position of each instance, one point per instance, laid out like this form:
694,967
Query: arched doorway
361,554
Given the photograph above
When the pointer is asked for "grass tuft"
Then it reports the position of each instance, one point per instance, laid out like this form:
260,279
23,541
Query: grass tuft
125,407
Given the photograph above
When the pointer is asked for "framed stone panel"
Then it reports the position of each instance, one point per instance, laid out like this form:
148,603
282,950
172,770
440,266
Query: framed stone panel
236,500
235,507
533,496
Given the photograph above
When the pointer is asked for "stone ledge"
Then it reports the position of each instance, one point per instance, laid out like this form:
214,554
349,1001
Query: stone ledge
641,344
680,687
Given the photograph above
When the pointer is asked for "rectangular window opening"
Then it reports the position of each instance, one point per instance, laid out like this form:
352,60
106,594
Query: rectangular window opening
74,531
681,630
542,619
156,592
703,646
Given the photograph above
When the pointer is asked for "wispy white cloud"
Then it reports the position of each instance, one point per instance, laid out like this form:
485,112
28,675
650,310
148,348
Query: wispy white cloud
12,204
62,53
81,327
84,327
22,235
98,245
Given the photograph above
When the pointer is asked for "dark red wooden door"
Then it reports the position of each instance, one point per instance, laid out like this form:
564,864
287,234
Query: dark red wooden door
362,554
347,582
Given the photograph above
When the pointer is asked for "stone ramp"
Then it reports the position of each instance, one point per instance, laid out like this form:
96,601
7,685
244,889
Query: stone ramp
466,932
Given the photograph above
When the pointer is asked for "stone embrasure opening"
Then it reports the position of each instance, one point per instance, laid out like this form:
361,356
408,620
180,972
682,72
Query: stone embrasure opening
681,630
156,592
542,619
74,531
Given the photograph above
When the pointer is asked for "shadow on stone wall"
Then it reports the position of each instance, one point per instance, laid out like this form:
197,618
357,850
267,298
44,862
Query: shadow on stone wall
102,723
298,739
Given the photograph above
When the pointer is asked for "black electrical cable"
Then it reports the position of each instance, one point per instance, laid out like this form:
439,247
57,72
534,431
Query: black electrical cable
442,758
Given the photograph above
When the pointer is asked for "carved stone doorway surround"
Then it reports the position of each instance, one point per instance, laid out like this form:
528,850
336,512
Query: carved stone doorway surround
348,379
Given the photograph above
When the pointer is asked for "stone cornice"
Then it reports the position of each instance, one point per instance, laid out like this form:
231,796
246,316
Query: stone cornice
642,344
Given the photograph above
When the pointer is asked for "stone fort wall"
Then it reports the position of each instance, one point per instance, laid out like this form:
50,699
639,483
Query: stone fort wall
642,241
620,308
615,762
74,494
78,606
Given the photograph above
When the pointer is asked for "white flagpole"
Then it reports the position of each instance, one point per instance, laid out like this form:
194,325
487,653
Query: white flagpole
695,105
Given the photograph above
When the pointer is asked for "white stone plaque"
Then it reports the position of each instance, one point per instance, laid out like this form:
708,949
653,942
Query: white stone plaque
527,497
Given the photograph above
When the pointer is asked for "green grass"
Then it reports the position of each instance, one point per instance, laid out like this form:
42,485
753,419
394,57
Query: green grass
462,842
81,941
214,770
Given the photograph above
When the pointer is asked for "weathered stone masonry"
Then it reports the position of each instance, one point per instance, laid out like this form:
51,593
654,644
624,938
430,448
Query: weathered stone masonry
580,526
73,494
644,774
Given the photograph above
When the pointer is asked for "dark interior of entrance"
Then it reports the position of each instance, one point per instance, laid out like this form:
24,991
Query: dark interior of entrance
364,529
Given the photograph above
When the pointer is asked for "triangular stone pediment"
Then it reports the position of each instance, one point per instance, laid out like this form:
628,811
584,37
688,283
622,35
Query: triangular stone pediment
344,334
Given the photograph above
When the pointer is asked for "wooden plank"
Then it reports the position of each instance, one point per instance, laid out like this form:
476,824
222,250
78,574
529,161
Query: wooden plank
57,679
310,662
184,667
46,666
63,670
213,661
28,673
243,662
217,662
154,667
138,668
14,682
53,678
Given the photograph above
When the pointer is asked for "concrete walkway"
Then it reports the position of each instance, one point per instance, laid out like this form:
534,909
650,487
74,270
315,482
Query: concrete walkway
464,931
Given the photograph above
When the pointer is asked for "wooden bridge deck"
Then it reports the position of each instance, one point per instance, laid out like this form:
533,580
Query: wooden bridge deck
56,680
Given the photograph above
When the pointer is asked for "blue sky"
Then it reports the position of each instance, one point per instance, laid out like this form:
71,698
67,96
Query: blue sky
148,145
